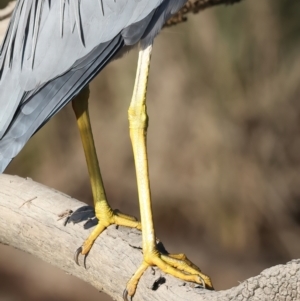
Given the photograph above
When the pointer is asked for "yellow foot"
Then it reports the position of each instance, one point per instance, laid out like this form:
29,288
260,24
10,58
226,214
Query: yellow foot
177,265
106,217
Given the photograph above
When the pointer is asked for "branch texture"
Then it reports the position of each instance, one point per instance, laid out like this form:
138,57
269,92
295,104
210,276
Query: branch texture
30,222
194,7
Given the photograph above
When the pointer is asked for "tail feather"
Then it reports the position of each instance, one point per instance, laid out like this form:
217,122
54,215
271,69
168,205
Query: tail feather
38,107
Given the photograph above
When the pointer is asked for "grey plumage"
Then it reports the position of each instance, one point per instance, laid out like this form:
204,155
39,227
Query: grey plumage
53,48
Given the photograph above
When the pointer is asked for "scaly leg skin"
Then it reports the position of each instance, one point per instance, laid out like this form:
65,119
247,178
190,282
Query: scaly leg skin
176,265
103,211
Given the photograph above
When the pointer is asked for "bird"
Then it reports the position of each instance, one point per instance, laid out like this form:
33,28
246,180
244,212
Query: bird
52,50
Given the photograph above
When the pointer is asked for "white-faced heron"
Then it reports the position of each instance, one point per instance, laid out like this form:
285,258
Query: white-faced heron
51,51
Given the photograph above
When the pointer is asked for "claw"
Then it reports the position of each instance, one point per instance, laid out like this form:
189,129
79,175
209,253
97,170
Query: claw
203,282
76,255
125,295
84,259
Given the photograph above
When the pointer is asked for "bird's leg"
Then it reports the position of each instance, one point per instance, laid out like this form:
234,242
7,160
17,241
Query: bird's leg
176,265
103,211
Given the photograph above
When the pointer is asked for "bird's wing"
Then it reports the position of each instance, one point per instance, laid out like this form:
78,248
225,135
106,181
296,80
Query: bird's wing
47,38
53,48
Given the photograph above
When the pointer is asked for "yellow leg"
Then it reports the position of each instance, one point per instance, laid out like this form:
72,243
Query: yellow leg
176,265
104,213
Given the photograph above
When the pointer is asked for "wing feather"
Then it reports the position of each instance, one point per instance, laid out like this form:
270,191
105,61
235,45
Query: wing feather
35,50
51,51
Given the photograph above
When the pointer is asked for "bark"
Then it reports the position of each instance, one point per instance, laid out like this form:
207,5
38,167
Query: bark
30,222
194,7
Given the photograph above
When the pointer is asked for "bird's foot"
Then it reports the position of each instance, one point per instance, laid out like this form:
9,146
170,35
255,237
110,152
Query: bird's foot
105,217
177,265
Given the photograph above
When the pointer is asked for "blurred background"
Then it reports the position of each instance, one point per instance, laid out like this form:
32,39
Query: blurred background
223,140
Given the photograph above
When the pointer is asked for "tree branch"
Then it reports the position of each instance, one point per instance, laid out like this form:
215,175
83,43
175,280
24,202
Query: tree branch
29,222
194,7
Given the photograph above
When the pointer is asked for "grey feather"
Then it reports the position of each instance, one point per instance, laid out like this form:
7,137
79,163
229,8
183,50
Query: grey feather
53,49
62,14
101,6
38,11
